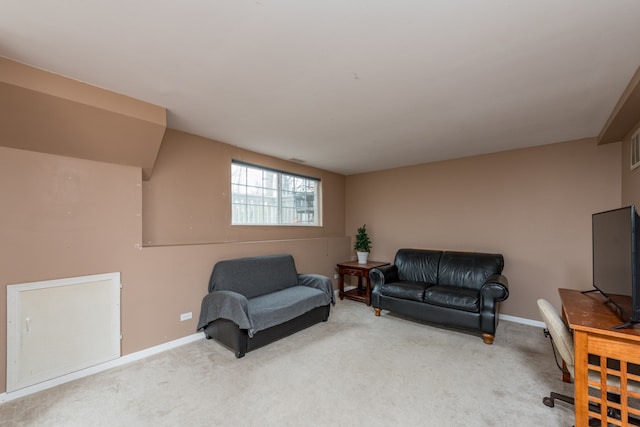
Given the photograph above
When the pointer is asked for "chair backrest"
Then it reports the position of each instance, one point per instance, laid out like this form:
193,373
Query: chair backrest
560,334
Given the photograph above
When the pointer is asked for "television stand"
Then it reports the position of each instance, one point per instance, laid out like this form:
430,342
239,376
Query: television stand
592,324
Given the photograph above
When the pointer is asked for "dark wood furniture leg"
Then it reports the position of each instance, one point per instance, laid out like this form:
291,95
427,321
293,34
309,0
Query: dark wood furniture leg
487,338
368,283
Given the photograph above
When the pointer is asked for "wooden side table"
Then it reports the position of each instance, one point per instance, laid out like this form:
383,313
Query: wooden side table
592,322
352,268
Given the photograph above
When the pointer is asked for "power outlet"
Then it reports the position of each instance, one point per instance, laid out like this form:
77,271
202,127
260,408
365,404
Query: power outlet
335,276
185,316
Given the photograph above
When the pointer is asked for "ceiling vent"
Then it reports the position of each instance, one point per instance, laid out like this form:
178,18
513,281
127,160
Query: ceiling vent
635,150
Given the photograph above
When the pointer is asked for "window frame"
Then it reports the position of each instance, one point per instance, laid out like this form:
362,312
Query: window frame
286,199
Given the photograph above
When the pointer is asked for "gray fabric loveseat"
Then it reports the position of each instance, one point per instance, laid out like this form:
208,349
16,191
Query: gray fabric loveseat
255,301
458,289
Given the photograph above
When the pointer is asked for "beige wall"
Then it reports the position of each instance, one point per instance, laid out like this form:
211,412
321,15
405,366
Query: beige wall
187,199
532,205
65,217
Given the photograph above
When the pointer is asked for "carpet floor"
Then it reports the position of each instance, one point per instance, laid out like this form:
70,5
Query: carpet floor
354,370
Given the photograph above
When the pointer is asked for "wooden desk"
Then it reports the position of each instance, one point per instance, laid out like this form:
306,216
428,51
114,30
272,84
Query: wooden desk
352,268
591,320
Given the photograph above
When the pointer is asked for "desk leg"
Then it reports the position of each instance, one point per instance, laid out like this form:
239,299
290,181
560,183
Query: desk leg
341,285
581,377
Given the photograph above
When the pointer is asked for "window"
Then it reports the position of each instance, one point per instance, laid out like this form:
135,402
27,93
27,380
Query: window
262,196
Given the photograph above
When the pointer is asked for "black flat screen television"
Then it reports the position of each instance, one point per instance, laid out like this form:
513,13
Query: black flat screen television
616,265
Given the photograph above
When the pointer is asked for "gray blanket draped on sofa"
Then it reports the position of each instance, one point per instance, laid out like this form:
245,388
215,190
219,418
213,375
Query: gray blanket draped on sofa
260,292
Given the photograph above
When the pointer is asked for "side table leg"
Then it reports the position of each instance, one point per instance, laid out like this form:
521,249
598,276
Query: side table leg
341,285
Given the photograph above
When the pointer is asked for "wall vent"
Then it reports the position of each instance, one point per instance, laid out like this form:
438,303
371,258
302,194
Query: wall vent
635,150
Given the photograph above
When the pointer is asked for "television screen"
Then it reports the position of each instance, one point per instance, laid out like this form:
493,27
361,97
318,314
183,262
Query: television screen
614,252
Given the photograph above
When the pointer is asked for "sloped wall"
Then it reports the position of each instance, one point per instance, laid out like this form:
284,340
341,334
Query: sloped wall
52,114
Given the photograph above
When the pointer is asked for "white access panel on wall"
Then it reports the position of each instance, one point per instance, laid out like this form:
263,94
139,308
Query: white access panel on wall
61,326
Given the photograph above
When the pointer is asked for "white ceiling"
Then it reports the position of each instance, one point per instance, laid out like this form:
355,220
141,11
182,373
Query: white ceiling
347,86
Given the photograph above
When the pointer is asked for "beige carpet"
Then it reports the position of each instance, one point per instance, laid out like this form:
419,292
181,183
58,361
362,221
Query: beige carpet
354,370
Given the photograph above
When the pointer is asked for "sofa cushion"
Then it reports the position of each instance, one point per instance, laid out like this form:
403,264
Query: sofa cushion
278,307
254,276
468,269
404,290
453,297
418,265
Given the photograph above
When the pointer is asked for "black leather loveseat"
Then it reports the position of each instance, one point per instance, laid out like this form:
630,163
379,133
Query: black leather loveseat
458,289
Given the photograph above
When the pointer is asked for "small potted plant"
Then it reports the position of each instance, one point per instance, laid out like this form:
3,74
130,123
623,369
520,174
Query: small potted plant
362,244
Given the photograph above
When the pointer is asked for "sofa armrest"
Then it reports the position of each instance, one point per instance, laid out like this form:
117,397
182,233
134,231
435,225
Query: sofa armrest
382,275
495,288
378,277
320,282
228,305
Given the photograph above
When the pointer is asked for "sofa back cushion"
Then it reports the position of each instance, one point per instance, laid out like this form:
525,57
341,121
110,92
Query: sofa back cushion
418,265
254,276
468,269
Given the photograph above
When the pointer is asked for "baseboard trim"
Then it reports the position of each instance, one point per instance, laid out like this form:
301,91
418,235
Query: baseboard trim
123,360
522,320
